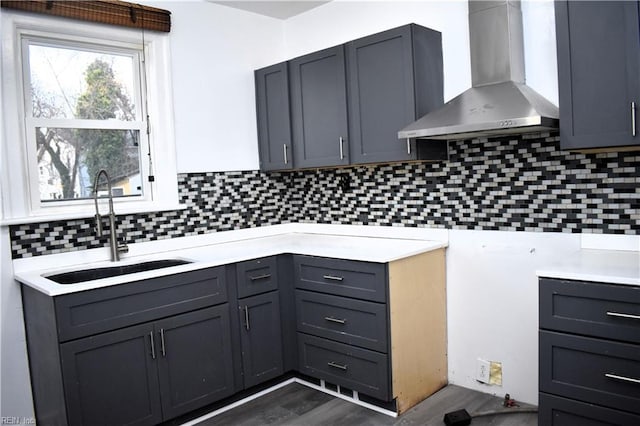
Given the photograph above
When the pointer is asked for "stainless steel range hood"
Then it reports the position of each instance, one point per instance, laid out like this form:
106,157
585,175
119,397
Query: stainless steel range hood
498,102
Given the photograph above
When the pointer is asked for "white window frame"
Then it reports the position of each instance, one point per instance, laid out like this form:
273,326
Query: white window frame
19,184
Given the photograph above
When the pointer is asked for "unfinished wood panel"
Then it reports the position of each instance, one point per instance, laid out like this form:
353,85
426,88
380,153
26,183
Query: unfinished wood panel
417,299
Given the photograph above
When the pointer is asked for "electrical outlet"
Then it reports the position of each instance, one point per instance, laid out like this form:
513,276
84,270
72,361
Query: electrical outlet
483,370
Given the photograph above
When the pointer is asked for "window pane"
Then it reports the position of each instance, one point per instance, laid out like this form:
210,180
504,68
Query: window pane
69,159
74,83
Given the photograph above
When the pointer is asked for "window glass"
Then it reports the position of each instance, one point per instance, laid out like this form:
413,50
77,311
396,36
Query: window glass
85,116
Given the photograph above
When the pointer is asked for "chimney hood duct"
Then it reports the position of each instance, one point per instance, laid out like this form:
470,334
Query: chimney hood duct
498,102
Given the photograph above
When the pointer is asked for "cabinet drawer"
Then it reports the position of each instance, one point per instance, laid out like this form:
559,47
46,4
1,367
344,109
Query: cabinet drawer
349,321
591,370
557,411
257,276
354,368
591,309
104,309
361,280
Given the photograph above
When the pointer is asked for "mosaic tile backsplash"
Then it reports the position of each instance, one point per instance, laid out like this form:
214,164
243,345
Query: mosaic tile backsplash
522,183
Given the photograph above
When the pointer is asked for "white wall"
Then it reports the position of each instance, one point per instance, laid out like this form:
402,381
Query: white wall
214,52
492,304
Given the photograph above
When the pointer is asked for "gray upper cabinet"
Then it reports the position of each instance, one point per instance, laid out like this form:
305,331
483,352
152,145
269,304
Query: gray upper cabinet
319,109
598,73
394,77
274,128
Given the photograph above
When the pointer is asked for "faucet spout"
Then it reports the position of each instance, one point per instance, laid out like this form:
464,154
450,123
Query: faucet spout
115,248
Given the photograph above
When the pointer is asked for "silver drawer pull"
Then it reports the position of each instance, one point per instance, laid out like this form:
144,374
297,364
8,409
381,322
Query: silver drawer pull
338,366
336,320
619,315
153,346
633,119
622,378
260,277
332,278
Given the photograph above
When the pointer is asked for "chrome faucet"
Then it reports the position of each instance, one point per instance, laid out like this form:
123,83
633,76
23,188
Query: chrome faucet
116,248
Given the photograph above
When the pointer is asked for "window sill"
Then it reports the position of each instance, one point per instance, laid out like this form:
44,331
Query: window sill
119,210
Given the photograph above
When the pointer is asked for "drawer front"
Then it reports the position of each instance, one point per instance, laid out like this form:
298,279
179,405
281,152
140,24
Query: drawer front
591,370
354,322
354,368
591,309
104,309
557,411
257,276
360,280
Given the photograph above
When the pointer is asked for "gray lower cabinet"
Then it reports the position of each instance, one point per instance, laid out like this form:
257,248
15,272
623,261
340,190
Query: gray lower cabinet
598,46
357,324
135,353
149,373
261,332
589,353
261,336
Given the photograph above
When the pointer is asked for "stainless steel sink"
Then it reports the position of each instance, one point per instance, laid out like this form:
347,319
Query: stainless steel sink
74,277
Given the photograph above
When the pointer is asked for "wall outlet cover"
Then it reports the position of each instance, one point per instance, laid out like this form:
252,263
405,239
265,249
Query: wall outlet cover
483,371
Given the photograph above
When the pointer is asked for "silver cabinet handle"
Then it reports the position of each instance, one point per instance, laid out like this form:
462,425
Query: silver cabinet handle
619,315
332,278
633,119
622,378
341,142
284,147
246,317
336,320
338,366
408,146
260,277
164,353
153,345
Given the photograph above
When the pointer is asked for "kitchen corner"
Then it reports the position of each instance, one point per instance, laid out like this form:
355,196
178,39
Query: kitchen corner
361,243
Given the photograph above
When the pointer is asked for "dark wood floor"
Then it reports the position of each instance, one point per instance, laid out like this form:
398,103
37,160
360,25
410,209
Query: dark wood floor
296,404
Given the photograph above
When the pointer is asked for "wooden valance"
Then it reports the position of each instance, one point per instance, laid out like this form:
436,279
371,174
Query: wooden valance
110,12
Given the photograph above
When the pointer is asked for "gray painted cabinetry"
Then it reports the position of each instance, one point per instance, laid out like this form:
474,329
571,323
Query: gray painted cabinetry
347,103
149,351
135,353
260,325
589,353
274,126
598,45
361,325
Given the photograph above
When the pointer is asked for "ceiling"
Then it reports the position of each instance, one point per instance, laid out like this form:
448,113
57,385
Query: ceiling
274,9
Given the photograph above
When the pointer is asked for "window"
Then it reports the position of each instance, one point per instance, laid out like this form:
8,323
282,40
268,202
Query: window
80,98
84,113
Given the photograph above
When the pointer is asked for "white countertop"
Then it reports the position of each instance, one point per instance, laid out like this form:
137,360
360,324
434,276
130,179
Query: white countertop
375,244
607,266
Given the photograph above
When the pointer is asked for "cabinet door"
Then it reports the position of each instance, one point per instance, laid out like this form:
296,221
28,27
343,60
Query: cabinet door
261,336
319,109
381,95
598,73
111,378
274,128
195,364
